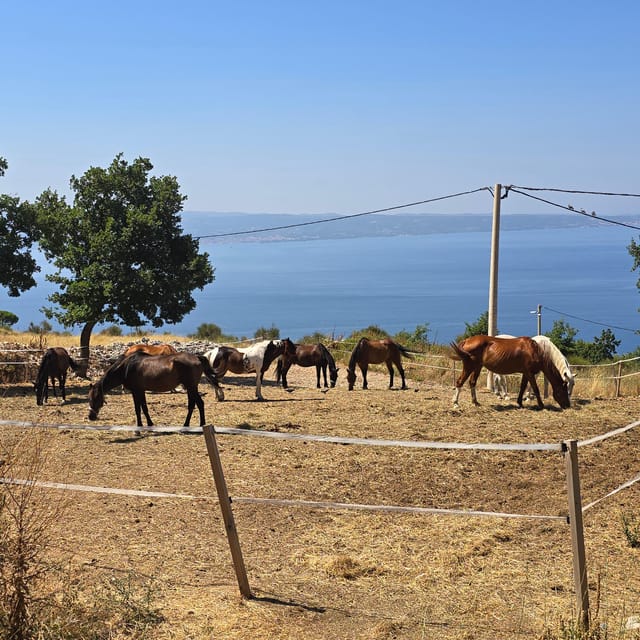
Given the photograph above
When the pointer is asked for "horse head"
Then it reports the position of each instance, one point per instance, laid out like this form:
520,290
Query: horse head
351,378
96,400
333,377
561,393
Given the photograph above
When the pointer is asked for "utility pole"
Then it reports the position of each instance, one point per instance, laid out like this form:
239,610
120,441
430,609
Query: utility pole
492,319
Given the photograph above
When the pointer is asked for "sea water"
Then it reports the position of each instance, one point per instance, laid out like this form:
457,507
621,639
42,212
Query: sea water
580,275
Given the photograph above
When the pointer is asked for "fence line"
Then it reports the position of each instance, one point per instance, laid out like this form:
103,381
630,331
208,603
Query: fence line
568,448
371,442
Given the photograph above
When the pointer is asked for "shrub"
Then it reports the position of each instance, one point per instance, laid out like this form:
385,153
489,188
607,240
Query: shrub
273,333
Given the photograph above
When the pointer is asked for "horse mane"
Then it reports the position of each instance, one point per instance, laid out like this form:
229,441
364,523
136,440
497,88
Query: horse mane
554,354
355,354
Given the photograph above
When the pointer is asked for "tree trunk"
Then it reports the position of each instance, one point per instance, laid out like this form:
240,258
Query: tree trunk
85,339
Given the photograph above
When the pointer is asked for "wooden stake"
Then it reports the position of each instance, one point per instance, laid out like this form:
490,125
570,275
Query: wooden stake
227,513
580,581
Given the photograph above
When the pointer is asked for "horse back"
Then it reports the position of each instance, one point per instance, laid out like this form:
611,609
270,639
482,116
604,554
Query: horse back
501,355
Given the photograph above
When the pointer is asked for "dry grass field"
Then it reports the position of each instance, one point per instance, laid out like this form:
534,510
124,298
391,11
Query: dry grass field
323,573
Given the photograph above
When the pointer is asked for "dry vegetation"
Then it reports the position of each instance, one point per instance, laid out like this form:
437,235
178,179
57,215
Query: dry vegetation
318,573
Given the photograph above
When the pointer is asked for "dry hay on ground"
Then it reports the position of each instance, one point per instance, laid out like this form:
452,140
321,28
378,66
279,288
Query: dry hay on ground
321,573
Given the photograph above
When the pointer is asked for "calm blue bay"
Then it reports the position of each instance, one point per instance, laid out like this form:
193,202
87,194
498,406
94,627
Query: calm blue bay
580,274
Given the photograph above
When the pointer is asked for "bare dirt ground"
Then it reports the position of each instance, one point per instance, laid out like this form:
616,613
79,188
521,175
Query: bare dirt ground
320,573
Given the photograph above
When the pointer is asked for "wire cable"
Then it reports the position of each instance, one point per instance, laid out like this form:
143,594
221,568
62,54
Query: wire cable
593,193
602,324
346,217
581,212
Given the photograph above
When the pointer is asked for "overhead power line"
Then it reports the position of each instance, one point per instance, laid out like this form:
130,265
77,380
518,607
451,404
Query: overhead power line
346,217
592,193
581,212
602,324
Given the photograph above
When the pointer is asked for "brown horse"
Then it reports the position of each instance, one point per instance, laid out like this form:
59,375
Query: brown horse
55,364
368,352
504,356
151,349
256,358
142,372
307,355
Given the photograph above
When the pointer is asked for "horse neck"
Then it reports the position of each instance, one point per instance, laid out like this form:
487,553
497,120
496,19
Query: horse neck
555,356
550,370
113,377
355,354
328,357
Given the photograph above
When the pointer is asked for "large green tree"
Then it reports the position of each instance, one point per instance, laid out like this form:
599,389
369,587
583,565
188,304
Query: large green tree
17,235
119,250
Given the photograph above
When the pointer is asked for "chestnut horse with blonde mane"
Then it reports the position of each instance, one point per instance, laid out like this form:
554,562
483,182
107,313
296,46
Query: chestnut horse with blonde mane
503,356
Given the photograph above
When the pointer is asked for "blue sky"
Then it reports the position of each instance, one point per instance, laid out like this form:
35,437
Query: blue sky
317,107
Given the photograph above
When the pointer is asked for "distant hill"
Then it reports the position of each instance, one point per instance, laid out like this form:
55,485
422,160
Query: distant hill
272,227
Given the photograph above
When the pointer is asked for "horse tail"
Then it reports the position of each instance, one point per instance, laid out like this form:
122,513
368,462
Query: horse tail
210,375
458,352
407,353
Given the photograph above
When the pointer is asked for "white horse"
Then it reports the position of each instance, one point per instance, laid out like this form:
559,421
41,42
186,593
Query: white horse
256,358
561,363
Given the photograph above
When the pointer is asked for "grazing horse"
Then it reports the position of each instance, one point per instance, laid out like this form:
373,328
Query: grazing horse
256,358
368,352
55,364
308,355
151,349
142,372
558,358
507,355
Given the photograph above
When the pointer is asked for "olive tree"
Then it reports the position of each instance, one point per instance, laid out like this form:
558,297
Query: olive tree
119,250
17,235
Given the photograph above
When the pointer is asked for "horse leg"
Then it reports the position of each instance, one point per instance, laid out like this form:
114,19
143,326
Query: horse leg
462,378
140,402
390,368
324,375
401,371
283,375
318,377
531,380
193,399
259,385
364,369
63,384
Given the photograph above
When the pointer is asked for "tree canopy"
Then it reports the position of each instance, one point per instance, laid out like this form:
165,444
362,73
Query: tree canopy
119,249
17,235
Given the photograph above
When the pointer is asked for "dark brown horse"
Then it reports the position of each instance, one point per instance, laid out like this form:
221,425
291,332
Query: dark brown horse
55,364
142,372
307,355
368,352
151,349
504,356
256,358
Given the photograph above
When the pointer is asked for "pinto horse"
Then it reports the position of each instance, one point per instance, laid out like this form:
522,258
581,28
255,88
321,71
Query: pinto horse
368,352
142,372
308,355
151,349
256,358
561,362
507,355
55,364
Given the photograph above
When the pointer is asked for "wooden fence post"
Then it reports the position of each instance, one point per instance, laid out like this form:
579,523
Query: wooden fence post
227,513
580,581
619,379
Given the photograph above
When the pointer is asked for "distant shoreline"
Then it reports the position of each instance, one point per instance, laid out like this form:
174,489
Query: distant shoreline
216,227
